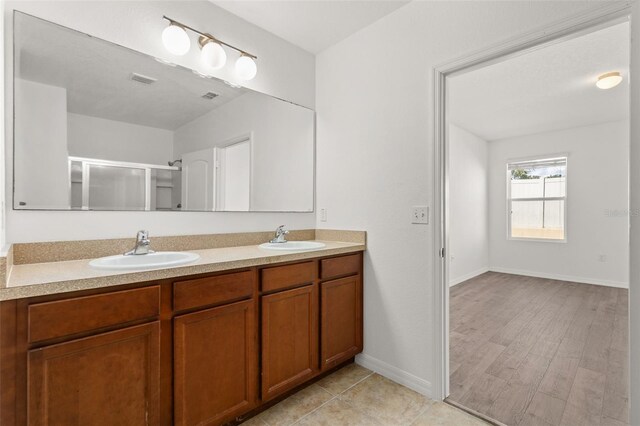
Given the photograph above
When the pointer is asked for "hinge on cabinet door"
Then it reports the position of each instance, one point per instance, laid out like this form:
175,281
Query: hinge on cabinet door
442,252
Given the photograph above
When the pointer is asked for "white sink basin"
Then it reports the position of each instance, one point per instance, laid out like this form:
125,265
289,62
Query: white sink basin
161,259
293,245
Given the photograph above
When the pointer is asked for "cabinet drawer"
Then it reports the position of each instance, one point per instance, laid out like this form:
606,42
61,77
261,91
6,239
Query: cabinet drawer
212,290
281,277
61,318
340,266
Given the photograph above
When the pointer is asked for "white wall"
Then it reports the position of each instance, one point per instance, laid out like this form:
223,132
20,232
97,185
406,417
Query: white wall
282,152
94,137
42,178
375,156
284,71
468,205
3,200
597,205
634,279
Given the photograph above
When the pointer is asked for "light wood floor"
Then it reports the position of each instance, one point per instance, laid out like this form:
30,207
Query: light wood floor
533,351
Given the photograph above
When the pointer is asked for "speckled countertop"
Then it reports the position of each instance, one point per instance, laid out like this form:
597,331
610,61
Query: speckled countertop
38,279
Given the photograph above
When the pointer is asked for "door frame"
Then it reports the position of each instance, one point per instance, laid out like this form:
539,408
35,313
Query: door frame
557,32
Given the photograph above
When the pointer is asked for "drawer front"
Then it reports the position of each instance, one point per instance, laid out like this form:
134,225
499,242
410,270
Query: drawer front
281,277
212,290
340,266
61,318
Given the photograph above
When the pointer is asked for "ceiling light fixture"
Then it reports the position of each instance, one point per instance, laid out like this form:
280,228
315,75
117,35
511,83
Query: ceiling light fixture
212,55
609,80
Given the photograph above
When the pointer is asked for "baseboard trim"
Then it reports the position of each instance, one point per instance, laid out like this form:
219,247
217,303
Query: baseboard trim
394,373
468,276
582,280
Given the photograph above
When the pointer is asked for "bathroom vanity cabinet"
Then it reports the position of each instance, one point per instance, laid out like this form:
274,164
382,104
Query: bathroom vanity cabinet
197,350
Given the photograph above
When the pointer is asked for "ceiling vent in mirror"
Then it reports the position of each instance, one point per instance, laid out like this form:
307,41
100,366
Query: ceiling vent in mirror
142,78
210,95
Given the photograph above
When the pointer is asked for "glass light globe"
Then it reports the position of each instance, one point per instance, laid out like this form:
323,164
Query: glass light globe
246,68
213,56
176,40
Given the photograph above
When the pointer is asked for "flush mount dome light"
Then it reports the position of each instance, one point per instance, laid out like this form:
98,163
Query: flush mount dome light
175,39
246,67
609,80
213,56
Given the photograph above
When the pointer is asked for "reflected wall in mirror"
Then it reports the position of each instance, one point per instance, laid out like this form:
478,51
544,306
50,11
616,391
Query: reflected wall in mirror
101,127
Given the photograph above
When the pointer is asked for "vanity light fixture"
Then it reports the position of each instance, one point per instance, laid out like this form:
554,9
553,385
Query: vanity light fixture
609,80
246,67
212,55
175,39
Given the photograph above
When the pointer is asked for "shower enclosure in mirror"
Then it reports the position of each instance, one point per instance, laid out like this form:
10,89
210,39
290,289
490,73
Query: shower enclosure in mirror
101,127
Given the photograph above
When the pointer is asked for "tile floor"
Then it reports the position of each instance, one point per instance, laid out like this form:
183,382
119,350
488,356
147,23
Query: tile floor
355,396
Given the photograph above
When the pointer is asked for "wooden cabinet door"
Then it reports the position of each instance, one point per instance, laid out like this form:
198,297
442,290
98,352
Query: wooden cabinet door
289,339
108,379
341,320
216,361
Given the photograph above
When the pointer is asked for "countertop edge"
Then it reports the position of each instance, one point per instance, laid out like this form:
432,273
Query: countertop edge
8,292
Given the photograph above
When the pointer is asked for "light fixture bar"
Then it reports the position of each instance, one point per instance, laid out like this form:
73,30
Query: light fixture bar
209,36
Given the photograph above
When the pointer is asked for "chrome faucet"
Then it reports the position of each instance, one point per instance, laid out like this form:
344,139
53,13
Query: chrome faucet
280,233
142,244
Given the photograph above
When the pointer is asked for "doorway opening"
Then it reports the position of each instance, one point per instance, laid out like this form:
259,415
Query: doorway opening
533,176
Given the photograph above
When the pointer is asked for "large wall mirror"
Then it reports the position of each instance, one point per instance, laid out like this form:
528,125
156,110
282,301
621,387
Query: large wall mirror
101,127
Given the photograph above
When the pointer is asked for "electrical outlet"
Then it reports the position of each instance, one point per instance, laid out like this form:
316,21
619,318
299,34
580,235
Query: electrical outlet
323,215
420,215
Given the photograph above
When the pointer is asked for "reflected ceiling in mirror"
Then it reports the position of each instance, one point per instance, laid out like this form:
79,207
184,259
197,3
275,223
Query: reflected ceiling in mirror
102,127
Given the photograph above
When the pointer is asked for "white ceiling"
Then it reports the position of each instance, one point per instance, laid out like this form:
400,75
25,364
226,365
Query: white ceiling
97,76
312,25
548,89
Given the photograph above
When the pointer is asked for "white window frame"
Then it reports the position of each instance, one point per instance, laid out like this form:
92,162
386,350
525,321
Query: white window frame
565,198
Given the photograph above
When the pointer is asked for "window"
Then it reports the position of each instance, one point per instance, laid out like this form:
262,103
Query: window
537,195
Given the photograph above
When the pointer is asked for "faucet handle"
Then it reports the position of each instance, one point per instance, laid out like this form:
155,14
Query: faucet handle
142,244
142,237
280,233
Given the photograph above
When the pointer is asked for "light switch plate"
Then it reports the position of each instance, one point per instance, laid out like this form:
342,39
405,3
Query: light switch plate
420,215
323,215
